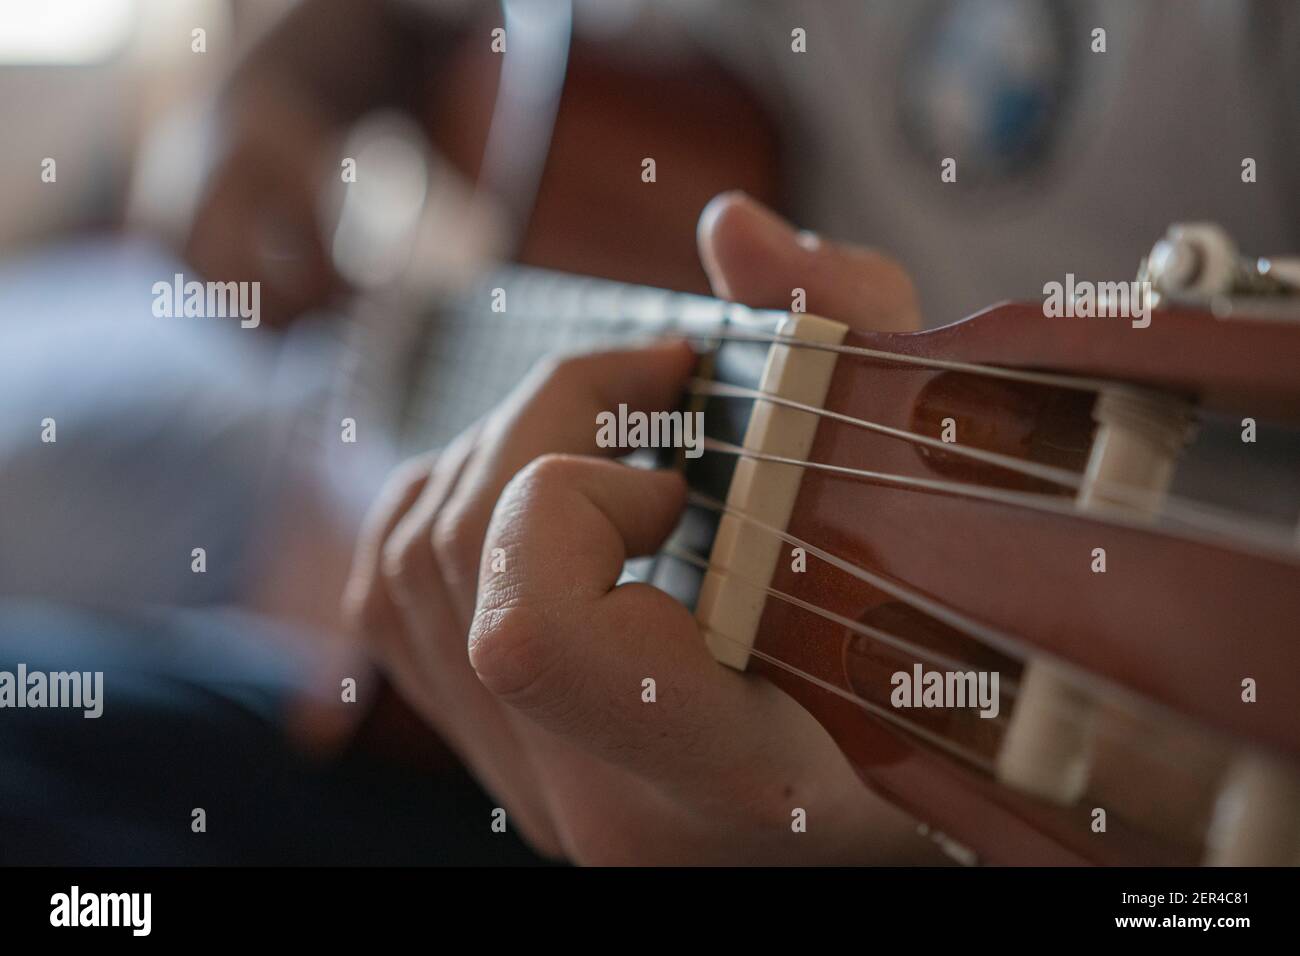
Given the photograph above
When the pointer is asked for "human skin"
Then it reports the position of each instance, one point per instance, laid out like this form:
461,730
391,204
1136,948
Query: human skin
533,674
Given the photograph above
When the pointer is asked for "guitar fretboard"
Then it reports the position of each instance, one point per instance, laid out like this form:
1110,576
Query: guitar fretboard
436,373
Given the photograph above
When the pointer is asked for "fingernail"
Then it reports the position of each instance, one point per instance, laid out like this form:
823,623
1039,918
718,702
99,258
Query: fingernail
809,240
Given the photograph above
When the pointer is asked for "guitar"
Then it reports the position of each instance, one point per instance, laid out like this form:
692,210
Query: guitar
1038,577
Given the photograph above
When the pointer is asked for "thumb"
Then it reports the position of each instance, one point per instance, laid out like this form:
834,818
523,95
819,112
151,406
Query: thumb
753,256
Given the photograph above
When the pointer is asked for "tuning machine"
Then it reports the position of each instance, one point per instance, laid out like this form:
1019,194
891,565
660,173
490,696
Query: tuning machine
1199,264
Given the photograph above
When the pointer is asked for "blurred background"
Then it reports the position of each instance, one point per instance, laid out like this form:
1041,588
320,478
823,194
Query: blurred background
212,138
84,80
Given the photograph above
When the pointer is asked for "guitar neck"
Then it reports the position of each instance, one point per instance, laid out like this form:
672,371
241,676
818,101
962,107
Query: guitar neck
466,354
426,377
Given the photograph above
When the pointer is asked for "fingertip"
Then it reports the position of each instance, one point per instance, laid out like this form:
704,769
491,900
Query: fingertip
712,232
661,496
718,209
672,482
748,251
655,376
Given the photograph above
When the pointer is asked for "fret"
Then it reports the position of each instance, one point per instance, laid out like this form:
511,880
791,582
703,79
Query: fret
467,355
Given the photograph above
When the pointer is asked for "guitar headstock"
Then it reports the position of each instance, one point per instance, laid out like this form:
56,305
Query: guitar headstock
1090,505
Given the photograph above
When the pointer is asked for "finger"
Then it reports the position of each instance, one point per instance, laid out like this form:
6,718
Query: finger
365,601
553,411
566,525
407,563
556,640
424,653
753,256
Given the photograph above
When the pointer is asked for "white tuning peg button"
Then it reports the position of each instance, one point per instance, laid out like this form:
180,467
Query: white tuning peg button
1193,259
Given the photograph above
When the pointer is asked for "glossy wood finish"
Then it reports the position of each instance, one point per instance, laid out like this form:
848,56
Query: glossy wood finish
1177,621
1237,365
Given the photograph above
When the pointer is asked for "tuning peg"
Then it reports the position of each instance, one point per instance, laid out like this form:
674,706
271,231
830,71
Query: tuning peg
1197,261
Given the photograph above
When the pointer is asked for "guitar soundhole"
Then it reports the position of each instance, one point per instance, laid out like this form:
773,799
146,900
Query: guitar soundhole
884,676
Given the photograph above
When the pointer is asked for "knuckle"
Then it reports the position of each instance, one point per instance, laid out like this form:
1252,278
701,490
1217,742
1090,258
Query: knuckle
369,616
406,561
409,475
455,545
397,560
510,653
544,476
769,810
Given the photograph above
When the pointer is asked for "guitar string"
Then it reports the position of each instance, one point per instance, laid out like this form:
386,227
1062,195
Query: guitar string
676,326
1009,645
1255,533
1101,689
1200,529
924,733
1200,518
1048,473
1005,643
874,633
1079,383
1052,707
1195,515
1052,380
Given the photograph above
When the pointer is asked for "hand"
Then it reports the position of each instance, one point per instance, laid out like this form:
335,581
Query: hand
546,706
257,217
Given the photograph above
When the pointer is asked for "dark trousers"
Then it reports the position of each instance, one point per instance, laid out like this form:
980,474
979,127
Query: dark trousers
192,715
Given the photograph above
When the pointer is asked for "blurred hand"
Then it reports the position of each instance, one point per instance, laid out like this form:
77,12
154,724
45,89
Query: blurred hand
257,219
546,705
